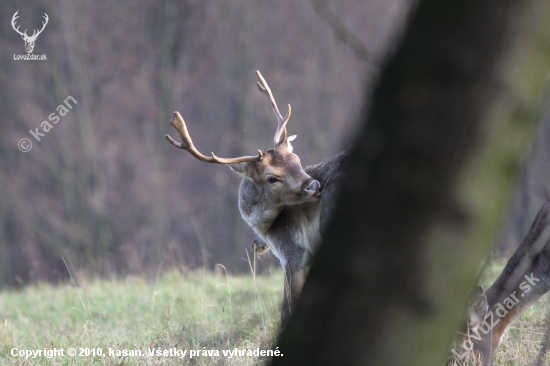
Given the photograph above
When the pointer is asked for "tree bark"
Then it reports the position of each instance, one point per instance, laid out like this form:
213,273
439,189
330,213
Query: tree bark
391,278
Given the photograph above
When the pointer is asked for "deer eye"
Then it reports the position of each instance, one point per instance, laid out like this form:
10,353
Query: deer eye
272,180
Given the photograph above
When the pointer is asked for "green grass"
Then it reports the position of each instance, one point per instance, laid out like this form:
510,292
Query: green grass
193,311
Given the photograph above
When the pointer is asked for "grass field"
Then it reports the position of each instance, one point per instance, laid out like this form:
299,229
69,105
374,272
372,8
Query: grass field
197,311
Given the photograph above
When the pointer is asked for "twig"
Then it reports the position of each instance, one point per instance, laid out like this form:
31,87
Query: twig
341,32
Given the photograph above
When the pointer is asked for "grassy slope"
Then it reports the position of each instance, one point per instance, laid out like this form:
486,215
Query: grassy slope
189,311
192,311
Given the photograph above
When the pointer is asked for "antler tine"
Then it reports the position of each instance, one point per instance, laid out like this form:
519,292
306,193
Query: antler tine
280,134
13,20
187,144
46,18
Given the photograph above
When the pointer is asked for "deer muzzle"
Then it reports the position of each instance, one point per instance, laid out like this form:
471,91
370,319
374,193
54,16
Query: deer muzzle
311,188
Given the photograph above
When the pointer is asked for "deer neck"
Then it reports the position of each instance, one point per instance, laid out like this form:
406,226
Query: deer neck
256,208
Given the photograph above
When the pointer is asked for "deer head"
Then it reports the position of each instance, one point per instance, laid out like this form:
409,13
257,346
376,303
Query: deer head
276,172
29,40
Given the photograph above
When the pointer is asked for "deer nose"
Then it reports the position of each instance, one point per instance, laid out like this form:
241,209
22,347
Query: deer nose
312,188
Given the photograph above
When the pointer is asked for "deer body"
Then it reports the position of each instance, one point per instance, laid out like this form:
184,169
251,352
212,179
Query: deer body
293,231
524,279
297,223
286,205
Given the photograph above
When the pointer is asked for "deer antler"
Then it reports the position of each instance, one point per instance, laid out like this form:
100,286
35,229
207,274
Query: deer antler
280,135
13,20
187,144
35,34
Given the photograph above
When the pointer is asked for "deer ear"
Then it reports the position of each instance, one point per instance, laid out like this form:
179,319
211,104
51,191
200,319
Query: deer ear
239,168
288,143
285,144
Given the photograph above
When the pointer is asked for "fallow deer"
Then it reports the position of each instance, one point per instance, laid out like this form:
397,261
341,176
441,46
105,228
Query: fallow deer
524,279
286,205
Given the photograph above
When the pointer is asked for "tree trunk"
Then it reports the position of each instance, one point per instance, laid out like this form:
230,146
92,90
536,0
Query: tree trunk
392,276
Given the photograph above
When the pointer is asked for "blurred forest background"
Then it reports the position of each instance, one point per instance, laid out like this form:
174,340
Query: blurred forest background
104,190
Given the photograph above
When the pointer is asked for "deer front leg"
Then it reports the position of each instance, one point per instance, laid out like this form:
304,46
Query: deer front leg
293,281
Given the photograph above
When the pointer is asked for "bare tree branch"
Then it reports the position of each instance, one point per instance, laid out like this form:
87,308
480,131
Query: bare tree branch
342,32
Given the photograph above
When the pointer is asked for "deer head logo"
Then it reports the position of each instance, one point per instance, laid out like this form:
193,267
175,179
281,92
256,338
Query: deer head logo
29,40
